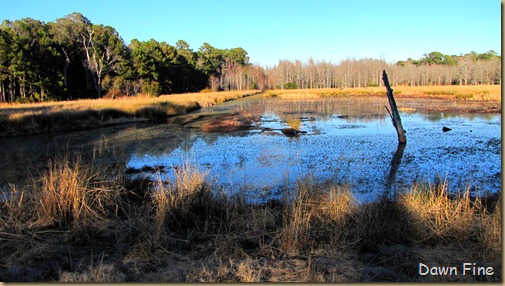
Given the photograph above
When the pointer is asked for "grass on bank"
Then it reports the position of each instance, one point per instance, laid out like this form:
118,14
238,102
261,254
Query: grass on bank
459,92
22,119
80,223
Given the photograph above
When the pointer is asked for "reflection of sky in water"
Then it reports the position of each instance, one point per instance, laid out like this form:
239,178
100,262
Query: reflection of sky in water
347,150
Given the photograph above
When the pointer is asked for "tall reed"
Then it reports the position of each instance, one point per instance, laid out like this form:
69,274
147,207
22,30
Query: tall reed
319,217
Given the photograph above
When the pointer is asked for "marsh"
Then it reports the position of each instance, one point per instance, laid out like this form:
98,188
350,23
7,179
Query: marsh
342,140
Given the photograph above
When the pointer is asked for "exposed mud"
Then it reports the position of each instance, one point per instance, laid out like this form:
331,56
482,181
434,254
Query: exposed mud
226,122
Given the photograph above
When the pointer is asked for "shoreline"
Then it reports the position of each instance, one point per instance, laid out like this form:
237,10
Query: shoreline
49,118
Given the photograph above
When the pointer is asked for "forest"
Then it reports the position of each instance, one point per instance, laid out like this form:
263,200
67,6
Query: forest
73,58
434,68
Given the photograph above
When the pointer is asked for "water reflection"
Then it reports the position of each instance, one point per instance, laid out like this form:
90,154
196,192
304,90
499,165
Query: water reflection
395,164
348,141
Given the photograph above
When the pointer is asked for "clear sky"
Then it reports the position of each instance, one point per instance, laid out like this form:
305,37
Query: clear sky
270,30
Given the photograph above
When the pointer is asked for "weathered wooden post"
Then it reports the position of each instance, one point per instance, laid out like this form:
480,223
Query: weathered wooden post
395,116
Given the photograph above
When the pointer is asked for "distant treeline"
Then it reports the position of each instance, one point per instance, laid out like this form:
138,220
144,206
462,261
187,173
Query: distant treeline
434,68
73,58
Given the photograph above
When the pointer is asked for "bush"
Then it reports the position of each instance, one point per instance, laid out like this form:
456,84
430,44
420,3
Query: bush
290,85
151,88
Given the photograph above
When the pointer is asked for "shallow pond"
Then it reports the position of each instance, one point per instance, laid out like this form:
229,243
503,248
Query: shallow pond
345,140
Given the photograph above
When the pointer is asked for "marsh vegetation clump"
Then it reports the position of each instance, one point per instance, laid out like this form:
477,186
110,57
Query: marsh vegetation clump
77,222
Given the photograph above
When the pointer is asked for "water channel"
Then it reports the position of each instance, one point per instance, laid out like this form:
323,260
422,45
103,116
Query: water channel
347,141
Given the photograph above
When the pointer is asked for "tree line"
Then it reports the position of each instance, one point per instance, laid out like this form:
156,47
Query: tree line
73,58
434,68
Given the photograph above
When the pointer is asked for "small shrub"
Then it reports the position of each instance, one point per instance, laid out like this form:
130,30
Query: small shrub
290,85
151,88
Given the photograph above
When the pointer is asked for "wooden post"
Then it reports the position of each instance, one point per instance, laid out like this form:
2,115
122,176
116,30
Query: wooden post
395,116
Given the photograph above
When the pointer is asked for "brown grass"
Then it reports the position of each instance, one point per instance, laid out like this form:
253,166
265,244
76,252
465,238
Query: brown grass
19,119
81,223
316,213
437,216
469,92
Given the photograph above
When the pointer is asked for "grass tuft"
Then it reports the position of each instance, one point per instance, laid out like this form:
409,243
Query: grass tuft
90,226
438,216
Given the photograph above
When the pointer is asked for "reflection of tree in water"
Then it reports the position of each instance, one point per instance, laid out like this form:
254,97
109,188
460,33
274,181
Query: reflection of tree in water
361,109
395,164
154,140
437,116
436,110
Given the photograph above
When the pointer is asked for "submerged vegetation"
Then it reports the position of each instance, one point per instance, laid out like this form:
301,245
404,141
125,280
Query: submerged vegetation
78,222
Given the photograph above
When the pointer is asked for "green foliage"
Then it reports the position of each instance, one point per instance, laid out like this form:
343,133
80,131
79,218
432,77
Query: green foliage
433,58
151,88
488,56
290,85
73,58
167,65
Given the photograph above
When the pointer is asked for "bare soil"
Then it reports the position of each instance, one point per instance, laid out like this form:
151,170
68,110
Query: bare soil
226,122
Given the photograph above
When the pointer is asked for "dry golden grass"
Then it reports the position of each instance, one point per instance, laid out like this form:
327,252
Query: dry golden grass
101,273
316,212
469,92
187,230
49,117
490,233
70,194
66,193
174,200
437,216
126,104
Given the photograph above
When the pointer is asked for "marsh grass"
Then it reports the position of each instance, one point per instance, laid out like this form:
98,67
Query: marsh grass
469,92
436,216
180,202
22,119
91,226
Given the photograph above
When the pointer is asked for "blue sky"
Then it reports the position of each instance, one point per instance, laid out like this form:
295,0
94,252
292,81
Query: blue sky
270,30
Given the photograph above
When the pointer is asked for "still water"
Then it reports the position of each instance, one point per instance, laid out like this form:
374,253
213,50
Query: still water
345,141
